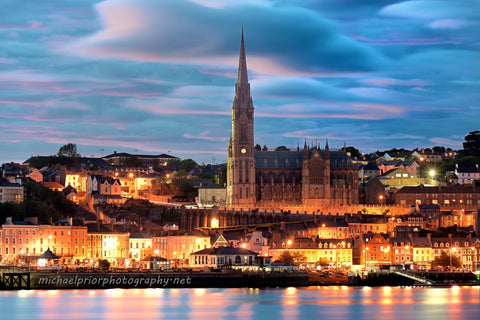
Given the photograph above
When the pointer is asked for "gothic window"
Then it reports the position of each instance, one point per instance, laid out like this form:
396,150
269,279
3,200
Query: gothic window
243,131
316,171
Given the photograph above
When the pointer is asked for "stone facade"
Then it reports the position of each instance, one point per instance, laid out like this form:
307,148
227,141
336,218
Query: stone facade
276,179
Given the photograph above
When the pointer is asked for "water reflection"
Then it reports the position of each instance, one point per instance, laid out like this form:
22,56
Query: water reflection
289,303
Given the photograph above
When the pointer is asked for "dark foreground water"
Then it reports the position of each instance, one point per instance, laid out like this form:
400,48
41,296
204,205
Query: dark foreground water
290,303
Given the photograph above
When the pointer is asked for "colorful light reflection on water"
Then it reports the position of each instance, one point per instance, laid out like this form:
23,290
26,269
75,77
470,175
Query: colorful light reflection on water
286,303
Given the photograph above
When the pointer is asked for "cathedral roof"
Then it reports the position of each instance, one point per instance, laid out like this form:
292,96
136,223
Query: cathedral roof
278,159
294,159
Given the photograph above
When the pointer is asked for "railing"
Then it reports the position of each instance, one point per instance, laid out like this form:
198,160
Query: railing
412,276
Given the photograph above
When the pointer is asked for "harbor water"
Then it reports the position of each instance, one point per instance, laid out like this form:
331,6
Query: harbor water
329,302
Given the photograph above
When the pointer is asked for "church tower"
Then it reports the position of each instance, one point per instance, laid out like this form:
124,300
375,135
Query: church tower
241,162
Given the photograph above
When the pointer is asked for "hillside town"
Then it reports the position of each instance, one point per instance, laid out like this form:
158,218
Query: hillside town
160,212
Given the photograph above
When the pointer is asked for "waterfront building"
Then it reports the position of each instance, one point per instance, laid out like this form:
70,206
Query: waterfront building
338,251
310,252
112,246
221,257
422,253
274,179
23,240
402,251
140,247
179,248
376,250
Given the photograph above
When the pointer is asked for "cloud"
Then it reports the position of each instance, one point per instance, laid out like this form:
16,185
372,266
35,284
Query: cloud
206,135
448,24
385,82
182,31
429,9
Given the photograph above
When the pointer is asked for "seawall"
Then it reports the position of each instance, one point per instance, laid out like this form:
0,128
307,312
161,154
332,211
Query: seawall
70,280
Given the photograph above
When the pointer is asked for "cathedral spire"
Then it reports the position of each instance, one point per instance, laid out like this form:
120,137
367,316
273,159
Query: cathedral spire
242,64
326,145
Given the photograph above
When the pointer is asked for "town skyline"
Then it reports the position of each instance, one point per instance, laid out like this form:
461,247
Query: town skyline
375,76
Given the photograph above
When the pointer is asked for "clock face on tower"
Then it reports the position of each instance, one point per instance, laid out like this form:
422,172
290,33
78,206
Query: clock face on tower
243,150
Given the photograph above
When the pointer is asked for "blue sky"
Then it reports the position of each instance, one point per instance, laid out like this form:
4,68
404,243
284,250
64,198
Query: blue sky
145,76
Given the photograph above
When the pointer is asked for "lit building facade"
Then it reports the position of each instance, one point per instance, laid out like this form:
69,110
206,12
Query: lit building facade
22,240
179,248
140,248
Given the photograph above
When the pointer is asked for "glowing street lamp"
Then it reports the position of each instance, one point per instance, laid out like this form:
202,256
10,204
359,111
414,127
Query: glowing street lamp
432,174
366,253
289,243
451,250
474,250
214,223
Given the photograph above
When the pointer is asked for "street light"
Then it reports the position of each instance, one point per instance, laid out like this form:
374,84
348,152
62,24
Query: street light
451,250
432,174
474,250
366,261
406,253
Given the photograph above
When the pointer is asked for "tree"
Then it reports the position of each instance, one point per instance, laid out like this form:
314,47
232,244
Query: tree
438,150
299,258
257,147
286,257
187,165
68,151
323,262
444,260
282,148
103,264
264,148
471,146
355,153
222,176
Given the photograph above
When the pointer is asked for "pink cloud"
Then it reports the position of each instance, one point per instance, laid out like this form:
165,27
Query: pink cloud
205,135
385,82
7,61
33,25
446,142
448,24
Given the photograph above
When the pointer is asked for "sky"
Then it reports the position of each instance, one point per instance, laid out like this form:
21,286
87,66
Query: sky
152,77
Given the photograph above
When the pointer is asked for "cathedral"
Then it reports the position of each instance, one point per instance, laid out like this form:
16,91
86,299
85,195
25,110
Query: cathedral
273,179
